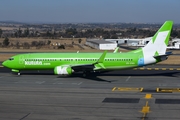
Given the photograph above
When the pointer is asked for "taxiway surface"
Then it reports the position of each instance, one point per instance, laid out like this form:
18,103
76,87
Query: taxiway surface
116,95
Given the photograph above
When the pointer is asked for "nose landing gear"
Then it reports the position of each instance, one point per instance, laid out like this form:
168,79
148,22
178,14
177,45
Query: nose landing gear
16,71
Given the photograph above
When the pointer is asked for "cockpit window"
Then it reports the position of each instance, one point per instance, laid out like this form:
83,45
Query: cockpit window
11,58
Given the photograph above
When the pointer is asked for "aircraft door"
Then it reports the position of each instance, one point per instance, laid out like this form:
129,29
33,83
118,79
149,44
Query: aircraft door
21,59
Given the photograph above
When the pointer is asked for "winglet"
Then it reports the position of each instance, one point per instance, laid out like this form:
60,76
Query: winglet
116,50
99,64
101,59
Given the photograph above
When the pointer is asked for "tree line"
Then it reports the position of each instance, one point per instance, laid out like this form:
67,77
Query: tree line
27,45
89,33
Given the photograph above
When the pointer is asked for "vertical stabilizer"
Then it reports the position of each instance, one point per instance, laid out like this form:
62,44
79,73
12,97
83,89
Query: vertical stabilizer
159,42
156,46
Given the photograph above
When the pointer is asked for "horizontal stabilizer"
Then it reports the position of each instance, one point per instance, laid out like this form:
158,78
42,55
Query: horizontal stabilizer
163,57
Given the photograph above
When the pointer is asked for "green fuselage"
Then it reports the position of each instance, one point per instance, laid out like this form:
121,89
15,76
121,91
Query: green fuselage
51,60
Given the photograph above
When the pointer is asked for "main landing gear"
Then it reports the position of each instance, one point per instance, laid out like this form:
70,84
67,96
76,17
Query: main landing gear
16,73
86,73
19,74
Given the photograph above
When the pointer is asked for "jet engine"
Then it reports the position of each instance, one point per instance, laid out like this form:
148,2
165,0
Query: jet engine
63,70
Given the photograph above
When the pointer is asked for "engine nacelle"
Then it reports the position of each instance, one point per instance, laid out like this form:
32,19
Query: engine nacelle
63,70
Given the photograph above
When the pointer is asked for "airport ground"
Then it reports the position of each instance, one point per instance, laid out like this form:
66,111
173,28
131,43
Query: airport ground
148,93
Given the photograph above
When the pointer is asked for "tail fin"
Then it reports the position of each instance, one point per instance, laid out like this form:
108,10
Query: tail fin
159,42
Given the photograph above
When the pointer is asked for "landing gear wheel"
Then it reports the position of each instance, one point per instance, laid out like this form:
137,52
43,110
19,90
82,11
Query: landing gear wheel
16,73
86,73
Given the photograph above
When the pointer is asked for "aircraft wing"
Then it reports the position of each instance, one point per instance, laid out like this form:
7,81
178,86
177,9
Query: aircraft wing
90,67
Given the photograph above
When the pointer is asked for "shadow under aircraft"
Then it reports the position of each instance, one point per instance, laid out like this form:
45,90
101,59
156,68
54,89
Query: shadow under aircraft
96,76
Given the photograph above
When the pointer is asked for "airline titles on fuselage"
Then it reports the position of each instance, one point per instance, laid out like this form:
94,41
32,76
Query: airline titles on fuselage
35,63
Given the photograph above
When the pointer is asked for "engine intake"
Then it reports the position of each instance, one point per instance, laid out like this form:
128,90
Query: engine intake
63,70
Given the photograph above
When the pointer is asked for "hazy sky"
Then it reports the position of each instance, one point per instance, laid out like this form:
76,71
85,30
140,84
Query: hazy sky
63,11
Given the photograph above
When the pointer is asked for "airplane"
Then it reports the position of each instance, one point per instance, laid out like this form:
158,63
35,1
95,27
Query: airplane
69,63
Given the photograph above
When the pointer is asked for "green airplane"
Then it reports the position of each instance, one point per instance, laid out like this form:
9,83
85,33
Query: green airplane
68,63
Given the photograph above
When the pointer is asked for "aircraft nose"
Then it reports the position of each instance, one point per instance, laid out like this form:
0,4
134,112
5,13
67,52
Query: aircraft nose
4,63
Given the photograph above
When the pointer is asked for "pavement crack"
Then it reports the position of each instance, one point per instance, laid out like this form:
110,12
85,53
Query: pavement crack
25,116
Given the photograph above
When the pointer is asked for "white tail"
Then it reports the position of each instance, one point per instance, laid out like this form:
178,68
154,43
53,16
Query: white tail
159,42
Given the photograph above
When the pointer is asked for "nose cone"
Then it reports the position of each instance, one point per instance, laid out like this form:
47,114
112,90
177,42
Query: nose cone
5,63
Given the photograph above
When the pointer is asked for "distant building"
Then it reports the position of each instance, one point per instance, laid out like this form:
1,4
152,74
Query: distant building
101,44
175,44
131,42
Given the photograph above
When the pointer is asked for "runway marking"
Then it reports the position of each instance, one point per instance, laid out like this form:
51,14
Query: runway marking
163,68
171,69
141,68
127,89
128,78
148,96
149,68
145,110
80,83
167,89
156,68
114,88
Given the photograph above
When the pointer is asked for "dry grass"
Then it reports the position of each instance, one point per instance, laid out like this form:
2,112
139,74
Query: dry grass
173,60
59,40
9,50
8,28
67,42
5,56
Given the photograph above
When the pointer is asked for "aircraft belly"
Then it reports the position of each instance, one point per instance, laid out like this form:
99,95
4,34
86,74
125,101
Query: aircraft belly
123,65
119,67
